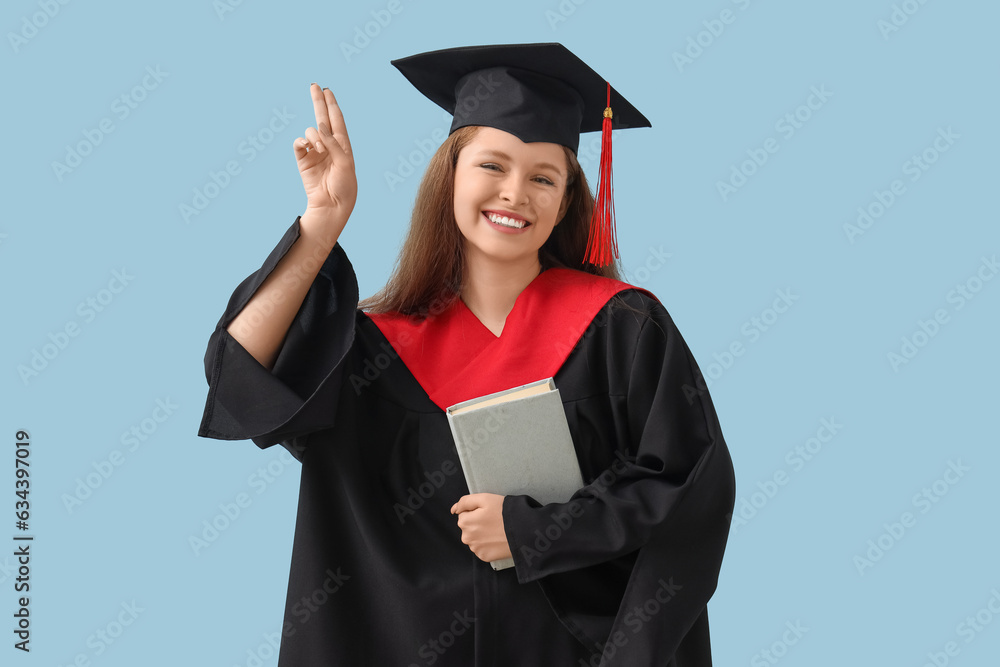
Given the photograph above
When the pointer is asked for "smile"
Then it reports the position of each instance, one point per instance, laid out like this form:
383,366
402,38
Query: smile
515,223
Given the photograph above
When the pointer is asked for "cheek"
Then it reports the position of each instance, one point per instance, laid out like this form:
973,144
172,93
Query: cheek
464,206
466,191
461,194
551,203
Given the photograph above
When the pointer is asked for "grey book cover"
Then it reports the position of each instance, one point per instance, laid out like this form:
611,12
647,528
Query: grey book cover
517,442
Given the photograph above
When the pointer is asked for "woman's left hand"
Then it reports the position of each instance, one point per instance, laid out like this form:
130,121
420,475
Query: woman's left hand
480,516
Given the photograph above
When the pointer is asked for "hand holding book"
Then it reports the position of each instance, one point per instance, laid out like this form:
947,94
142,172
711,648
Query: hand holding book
480,516
513,442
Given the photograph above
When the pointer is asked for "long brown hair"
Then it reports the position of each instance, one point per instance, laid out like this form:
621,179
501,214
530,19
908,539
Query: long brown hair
427,276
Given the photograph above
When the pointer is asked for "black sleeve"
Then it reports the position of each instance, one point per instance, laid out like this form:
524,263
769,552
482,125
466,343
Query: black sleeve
660,515
678,472
299,395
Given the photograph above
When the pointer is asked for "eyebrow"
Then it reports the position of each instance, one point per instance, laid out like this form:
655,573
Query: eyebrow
500,155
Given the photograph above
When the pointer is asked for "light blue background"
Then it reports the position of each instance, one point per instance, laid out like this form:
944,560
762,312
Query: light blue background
826,357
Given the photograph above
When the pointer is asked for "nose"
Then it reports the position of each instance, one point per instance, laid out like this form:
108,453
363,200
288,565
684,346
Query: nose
514,191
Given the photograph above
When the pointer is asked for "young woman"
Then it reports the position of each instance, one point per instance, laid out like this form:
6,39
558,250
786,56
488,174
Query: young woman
493,289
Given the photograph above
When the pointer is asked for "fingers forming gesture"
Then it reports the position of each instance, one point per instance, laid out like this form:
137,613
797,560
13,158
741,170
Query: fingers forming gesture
326,160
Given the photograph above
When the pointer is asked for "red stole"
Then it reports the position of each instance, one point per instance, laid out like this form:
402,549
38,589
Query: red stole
455,357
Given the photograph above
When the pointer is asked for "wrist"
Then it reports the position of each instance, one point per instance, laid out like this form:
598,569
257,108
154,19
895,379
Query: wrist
322,226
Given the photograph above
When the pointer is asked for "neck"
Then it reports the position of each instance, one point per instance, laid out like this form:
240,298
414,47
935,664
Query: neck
489,288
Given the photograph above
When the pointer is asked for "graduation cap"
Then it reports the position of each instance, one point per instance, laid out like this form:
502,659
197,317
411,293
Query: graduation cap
537,92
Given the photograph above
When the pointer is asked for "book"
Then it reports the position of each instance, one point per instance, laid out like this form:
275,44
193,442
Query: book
517,442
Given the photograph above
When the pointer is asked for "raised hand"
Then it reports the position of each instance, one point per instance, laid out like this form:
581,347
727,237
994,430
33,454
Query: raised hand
326,163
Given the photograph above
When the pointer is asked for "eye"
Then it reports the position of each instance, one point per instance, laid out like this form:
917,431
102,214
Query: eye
492,166
543,180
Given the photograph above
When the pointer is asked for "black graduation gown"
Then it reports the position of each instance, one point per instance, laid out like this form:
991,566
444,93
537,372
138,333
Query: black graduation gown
379,575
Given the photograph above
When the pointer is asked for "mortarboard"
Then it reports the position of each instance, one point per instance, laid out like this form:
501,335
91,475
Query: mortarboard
537,92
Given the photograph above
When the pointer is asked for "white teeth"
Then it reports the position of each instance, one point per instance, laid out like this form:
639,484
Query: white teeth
505,221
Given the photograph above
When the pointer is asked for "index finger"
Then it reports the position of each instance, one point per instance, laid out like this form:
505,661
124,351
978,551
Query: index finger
337,124
464,504
319,105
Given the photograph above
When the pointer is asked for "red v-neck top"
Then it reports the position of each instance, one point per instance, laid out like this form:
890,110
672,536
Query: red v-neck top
455,357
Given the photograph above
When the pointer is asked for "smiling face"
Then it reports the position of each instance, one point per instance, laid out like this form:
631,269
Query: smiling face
509,195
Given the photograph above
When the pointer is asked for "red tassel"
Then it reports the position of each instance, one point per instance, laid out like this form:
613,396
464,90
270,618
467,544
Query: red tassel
602,243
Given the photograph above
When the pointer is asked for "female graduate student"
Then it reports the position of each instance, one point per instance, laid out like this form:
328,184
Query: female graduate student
506,277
